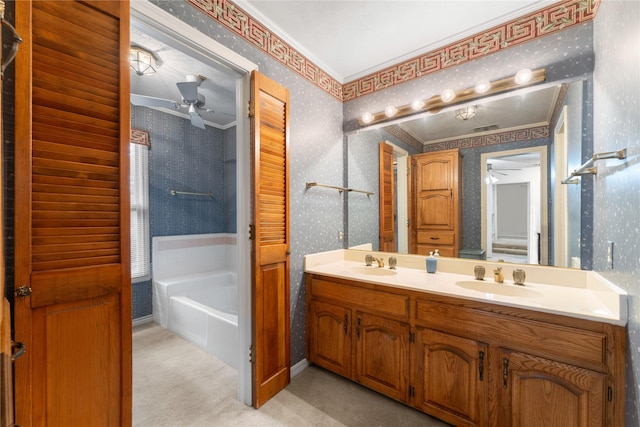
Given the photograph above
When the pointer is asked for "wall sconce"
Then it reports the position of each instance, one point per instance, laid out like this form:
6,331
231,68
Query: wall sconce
142,61
450,97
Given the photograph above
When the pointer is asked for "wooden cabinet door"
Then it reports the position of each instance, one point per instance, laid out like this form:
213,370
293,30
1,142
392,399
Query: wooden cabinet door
72,214
435,180
330,337
436,202
270,250
451,377
539,392
382,355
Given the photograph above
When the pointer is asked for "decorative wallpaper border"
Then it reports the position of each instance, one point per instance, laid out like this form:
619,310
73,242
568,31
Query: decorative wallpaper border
405,137
139,136
529,27
240,22
537,132
546,21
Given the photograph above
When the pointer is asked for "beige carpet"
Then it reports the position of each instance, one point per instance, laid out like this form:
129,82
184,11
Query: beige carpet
177,384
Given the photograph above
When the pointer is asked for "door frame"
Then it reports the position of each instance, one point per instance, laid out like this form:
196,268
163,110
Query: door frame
560,193
402,197
165,25
544,222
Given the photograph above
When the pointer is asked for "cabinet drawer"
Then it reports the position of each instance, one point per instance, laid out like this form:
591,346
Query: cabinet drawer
382,302
443,250
436,237
576,346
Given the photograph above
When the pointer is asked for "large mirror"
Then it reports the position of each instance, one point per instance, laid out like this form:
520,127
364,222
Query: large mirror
516,149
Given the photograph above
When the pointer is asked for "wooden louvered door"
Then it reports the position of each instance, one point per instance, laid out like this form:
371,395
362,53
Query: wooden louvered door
387,199
72,214
270,250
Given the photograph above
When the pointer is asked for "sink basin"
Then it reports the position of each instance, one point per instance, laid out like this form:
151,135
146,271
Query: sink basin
498,288
373,271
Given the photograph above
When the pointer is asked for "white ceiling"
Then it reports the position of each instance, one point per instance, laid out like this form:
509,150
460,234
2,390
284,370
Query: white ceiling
347,39
351,38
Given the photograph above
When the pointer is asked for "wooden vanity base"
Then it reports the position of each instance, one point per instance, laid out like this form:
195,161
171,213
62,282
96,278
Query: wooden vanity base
466,362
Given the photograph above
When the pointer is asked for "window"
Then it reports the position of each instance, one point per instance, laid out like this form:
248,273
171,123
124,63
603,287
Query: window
140,256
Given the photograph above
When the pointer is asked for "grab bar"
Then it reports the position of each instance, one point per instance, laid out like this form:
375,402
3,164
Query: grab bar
188,193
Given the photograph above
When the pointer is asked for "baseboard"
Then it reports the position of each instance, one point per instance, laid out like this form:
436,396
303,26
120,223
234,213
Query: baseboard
142,320
298,368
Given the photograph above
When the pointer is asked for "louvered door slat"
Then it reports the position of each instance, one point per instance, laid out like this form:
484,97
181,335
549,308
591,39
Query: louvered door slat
72,137
78,153
69,233
67,67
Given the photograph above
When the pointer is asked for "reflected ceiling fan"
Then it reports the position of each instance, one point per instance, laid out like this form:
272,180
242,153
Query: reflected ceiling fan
491,169
191,99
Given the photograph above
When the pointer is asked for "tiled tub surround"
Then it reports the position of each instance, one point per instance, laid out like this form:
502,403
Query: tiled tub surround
575,293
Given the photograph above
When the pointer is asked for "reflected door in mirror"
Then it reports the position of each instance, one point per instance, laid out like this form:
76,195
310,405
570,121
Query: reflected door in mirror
436,195
387,198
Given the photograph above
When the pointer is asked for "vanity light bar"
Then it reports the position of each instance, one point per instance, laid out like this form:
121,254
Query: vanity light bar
436,103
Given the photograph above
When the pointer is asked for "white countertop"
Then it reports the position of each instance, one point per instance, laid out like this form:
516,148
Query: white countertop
575,293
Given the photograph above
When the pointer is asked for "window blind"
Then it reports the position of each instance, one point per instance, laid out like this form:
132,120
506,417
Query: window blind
140,256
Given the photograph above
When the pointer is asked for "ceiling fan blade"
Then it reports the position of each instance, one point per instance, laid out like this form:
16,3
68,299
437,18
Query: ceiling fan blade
196,118
150,101
189,91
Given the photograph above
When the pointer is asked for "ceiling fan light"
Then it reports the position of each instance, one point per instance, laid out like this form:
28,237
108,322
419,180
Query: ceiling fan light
523,76
447,95
142,61
483,86
490,179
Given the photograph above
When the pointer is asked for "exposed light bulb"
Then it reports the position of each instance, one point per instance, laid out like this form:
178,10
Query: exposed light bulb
367,118
483,86
390,111
447,95
417,104
523,76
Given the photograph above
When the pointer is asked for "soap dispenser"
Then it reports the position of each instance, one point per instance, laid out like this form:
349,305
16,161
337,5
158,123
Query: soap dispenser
432,263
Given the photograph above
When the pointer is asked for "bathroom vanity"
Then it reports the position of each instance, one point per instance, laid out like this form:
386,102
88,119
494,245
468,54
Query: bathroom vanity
472,352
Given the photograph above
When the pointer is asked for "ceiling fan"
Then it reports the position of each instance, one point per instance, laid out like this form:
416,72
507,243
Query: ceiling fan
491,169
191,99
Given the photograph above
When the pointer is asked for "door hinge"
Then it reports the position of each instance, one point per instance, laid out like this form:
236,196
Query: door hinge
610,394
251,354
412,391
23,292
252,232
251,109
412,337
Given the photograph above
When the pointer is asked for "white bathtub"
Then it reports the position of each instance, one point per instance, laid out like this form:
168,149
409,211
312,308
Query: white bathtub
200,307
